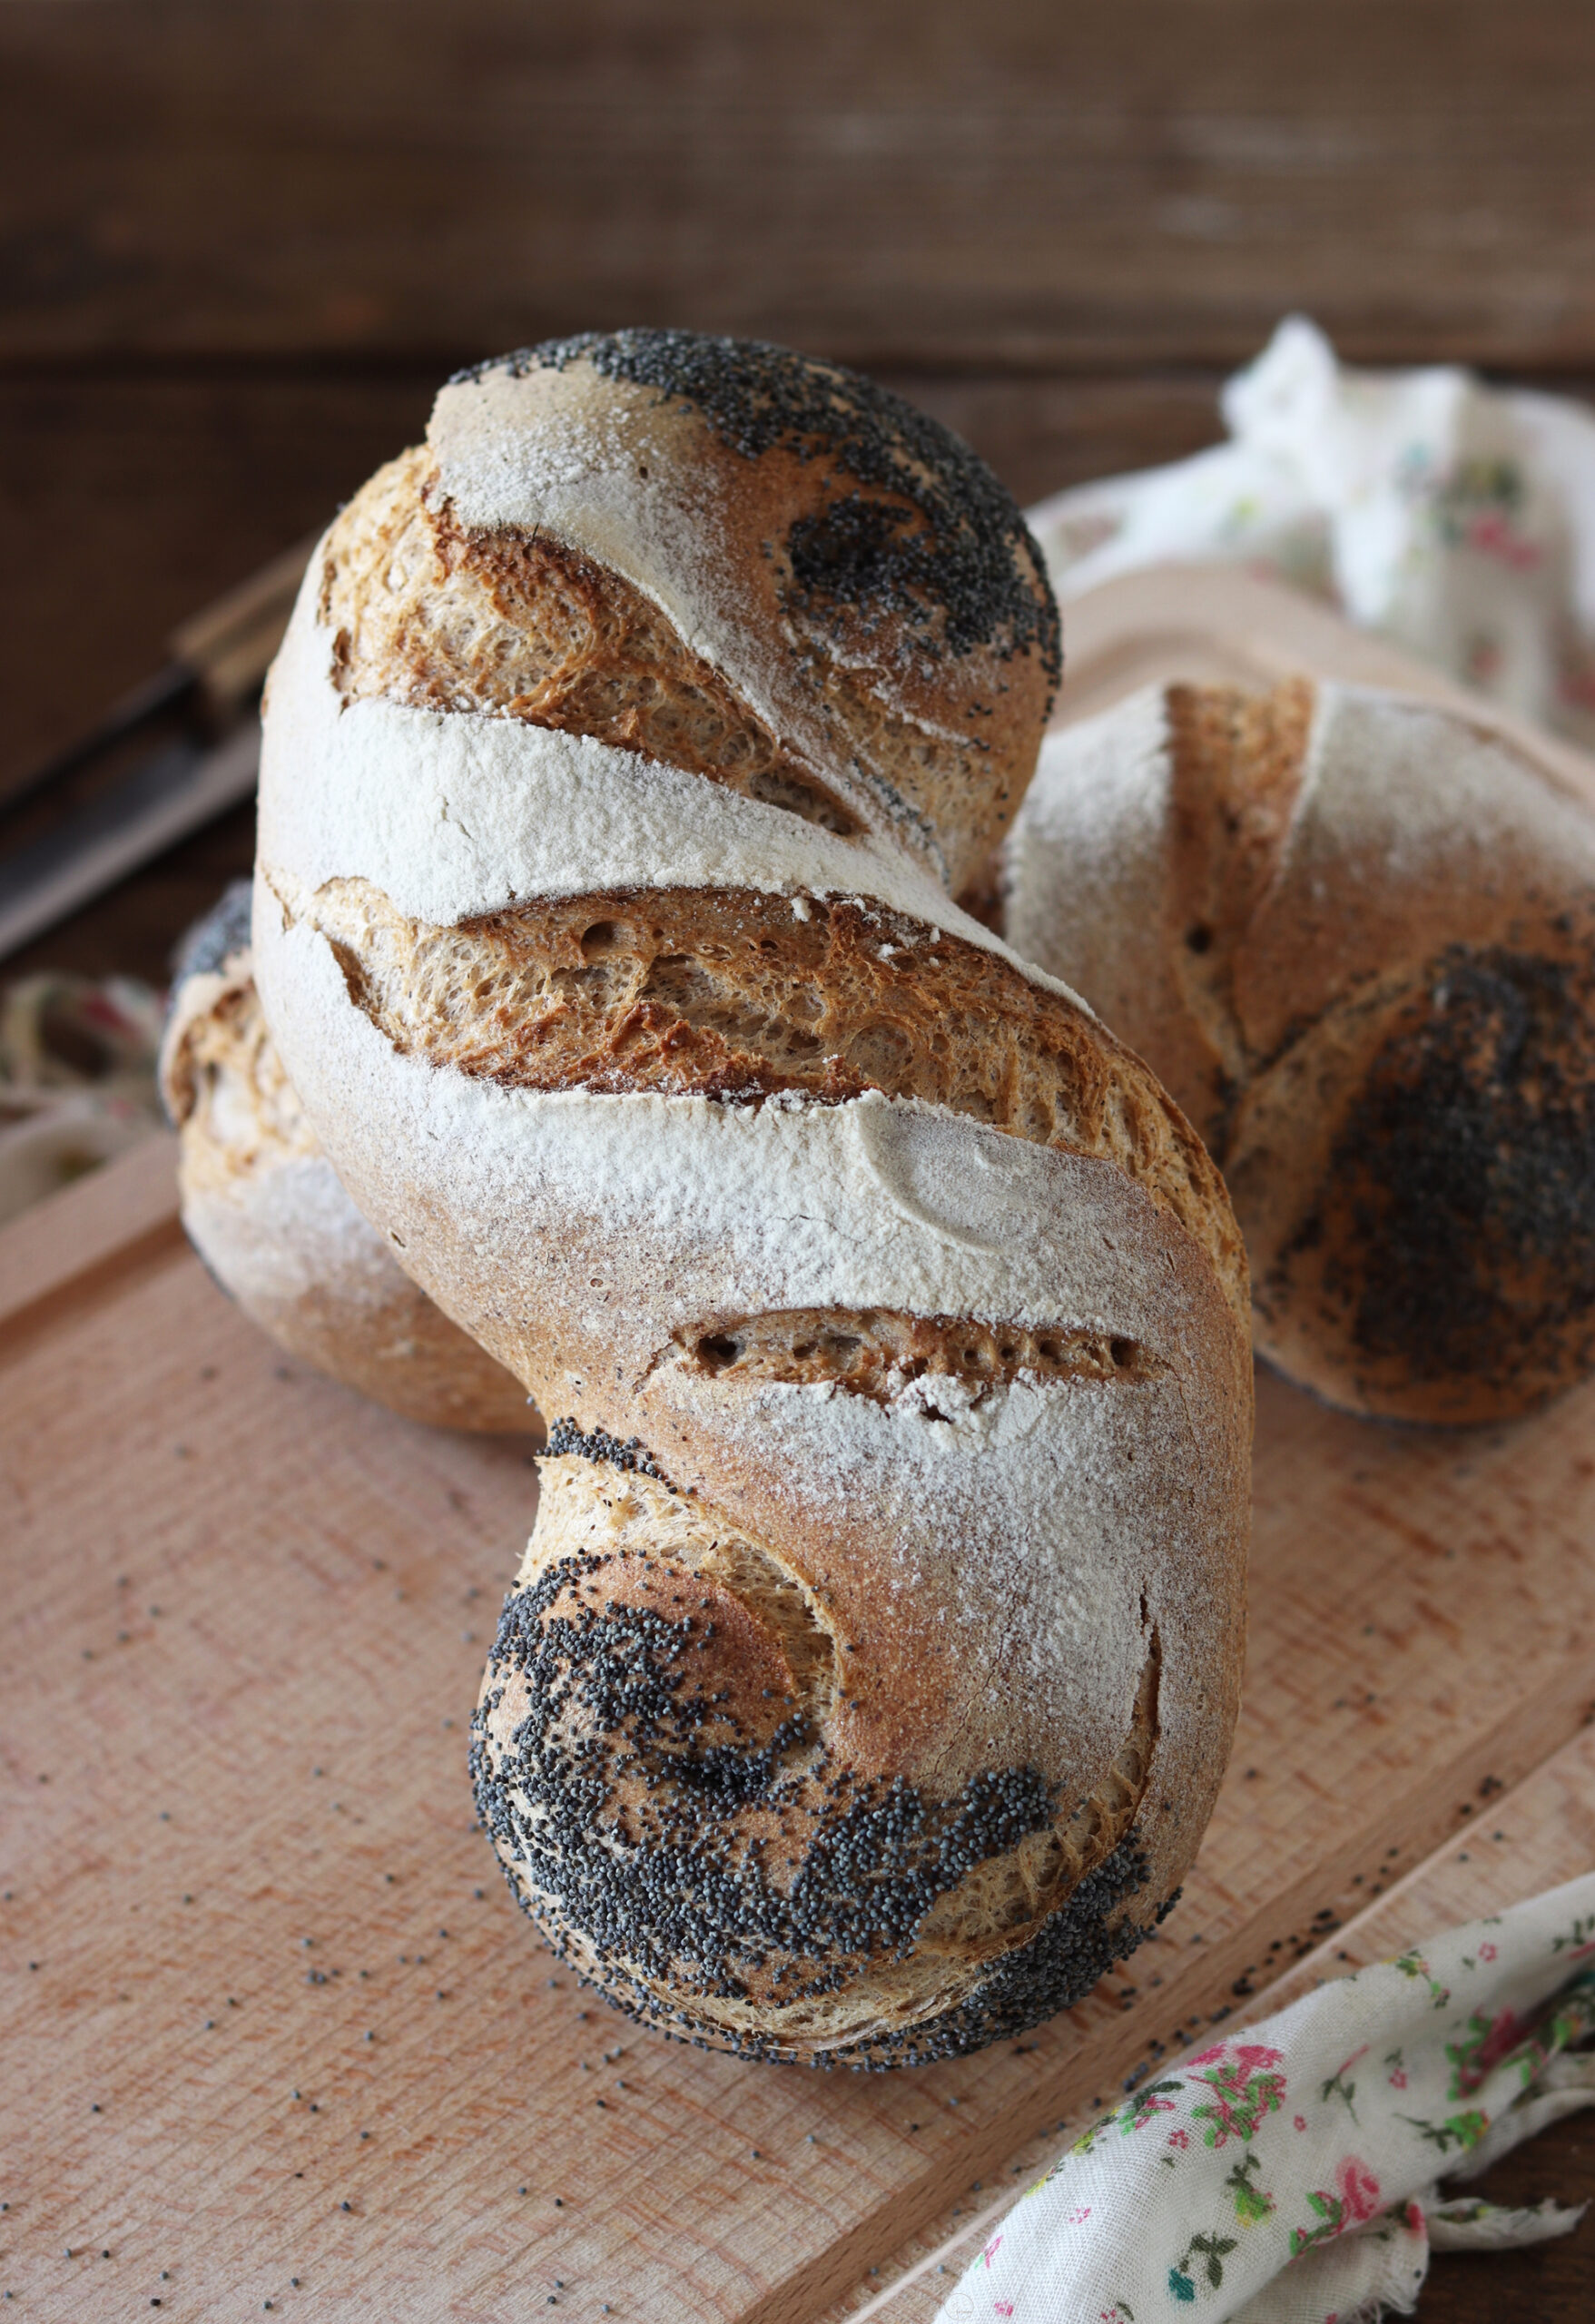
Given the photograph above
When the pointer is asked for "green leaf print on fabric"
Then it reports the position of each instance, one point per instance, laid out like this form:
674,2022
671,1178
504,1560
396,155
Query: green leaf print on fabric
1252,2205
1461,2131
1411,1963
1245,2090
1245,2147
1337,2086
1211,2249
1155,2098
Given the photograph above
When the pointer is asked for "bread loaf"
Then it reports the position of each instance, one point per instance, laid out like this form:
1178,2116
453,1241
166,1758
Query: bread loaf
873,1662
264,1209
1354,936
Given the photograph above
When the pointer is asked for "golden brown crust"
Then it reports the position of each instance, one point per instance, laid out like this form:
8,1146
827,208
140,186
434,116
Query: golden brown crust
870,584
1235,763
1412,1172
424,612
731,995
219,1040
726,993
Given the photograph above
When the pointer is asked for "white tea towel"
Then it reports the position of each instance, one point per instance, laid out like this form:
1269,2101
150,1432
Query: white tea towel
1289,2174
1456,519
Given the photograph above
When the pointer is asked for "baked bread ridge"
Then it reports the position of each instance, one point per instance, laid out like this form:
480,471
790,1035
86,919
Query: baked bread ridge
970,1402
613,1248
858,576
266,1212
842,1857
1355,933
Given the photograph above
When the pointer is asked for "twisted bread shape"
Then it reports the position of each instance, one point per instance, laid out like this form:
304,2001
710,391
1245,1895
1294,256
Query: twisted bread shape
873,1662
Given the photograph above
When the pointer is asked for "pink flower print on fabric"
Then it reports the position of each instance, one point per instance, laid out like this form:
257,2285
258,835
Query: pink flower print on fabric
990,2254
1359,2189
1485,2041
1353,2199
1245,2090
1157,2098
1494,536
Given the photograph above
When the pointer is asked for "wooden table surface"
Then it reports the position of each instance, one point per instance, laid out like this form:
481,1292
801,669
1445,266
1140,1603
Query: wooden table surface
240,246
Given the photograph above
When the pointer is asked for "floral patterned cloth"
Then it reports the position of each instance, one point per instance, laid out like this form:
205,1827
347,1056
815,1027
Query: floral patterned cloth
77,1079
1289,2174
1455,519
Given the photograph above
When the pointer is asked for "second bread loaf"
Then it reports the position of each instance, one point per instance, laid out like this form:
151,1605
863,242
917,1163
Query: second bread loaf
1355,936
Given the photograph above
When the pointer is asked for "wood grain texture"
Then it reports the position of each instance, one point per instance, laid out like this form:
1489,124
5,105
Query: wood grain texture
244,1619
238,248
1028,183
1536,1836
94,1230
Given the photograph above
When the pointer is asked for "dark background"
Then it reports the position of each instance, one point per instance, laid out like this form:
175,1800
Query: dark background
241,244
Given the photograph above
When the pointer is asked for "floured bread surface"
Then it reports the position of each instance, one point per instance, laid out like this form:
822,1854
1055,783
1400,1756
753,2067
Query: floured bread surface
521,624
734,559
873,1664
1356,937
732,994
266,1212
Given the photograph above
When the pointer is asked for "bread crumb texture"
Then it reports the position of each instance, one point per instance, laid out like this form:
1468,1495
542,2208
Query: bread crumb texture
224,1084
425,612
729,995
873,639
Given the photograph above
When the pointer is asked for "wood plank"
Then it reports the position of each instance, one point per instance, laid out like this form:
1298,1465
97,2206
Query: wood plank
110,1218
1032,184
1536,1836
1422,1635
130,503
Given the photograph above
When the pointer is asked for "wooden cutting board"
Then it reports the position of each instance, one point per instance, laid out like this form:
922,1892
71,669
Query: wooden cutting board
271,2013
